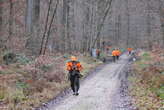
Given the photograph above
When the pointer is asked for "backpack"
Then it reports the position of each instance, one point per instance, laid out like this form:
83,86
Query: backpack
74,68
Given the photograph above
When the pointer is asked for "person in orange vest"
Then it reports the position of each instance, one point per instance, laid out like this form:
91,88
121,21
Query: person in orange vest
118,53
114,54
74,68
98,53
129,50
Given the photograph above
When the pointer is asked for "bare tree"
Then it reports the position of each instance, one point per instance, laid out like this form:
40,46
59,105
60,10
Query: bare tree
32,25
46,27
128,23
148,19
161,10
109,2
49,29
1,22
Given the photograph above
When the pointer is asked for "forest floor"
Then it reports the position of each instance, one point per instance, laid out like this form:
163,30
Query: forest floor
106,90
30,82
147,80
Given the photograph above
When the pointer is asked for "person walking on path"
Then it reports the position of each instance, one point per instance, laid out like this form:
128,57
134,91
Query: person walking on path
118,53
129,50
74,68
114,54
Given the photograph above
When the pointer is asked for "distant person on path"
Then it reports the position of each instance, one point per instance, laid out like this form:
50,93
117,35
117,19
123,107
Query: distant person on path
114,54
118,53
74,67
129,50
98,53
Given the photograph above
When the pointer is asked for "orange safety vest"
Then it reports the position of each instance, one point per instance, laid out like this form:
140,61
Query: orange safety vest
129,49
74,65
114,53
118,53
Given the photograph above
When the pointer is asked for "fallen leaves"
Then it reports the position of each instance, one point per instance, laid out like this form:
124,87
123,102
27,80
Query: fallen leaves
147,85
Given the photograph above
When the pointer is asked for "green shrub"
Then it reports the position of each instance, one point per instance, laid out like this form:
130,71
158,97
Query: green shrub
143,66
18,96
160,92
162,73
21,58
46,68
146,56
6,72
1,72
66,55
21,85
2,95
9,57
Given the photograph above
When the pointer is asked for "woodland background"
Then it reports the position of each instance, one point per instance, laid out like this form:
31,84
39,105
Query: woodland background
79,25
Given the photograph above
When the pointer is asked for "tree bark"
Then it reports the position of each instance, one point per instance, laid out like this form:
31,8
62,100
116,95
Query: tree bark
49,29
11,20
102,22
128,23
161,8
46,27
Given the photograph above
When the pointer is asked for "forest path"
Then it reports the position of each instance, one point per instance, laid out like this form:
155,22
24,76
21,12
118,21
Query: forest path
97,92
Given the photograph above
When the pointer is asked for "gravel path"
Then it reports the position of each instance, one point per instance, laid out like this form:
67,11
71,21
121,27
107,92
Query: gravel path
106,90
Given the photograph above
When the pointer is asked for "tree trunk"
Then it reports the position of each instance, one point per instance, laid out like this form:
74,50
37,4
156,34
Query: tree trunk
161,8
128,24
32,25
1,24
11,20
99,27
29,13
148,25
1,15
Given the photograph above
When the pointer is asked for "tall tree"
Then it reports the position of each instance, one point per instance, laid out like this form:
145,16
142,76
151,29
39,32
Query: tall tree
32,25
11,19
50,26
128,23
100,26
1,14
161,10
148,19
46,27
1,22
32,14
29,13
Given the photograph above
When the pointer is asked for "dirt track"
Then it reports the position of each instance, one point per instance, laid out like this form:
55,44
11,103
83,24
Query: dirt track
106,90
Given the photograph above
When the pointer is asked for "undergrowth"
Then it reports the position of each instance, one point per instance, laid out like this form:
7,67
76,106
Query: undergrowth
28,83
148,83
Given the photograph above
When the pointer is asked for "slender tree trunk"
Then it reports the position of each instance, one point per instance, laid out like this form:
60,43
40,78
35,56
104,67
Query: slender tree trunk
1,16
33,26
68,26
161,8
50,26
11,20
29,13
46,27
109,2
64,14
148,25
1,23
128,23
118,30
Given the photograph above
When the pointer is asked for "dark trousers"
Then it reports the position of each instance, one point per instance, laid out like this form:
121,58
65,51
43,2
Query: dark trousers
114,58
117,57
75,83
